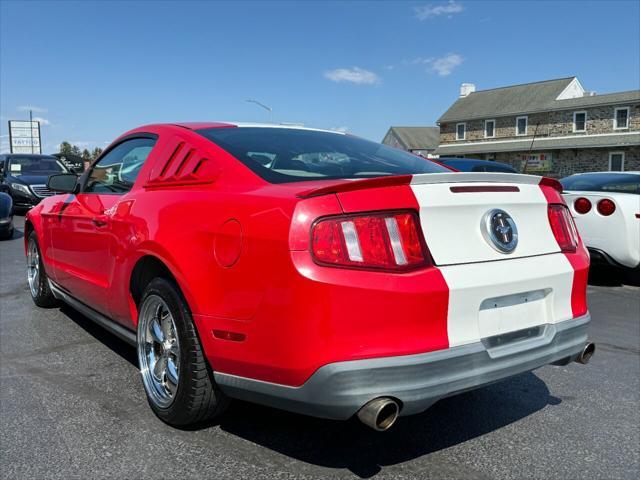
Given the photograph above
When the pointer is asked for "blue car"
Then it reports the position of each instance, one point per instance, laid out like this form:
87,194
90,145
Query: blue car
474,165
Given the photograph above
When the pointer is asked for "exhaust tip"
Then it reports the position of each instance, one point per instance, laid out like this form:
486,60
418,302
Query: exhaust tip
380,413
586,354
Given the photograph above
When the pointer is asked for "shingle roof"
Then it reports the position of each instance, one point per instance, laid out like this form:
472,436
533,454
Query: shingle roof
618,98
511,100
542,143
417,138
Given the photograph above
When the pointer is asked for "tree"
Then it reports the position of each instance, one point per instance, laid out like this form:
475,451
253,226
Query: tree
75,150
86,155
96,153
65,149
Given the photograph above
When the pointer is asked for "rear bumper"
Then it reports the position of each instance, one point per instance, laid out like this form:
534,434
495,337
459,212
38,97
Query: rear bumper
339,390
600,257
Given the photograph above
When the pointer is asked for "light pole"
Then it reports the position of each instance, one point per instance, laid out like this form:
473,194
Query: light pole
268,109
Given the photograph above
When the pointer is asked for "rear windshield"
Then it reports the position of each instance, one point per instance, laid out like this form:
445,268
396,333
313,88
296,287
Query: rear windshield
35,166
603,182
281,155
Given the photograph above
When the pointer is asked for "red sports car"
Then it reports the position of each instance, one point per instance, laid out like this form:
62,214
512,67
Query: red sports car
310,270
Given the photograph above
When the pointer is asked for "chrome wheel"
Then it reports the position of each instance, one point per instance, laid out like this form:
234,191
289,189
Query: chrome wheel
33,267
158,351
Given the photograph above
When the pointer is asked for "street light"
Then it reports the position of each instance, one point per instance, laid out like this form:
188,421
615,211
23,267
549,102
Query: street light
268,109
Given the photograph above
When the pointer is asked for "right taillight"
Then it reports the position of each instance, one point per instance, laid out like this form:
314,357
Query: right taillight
582,205
563,227
382,241
606,207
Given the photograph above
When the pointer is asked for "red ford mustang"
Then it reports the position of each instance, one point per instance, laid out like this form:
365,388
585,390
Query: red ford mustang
309,270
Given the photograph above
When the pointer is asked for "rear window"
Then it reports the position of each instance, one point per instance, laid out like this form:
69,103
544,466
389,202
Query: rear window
281,155
603,182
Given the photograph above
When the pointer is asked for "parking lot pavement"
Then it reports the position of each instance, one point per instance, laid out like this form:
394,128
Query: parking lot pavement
72,406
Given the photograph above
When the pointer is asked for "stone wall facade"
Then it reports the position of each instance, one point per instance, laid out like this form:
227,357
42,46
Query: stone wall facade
570,161
545,124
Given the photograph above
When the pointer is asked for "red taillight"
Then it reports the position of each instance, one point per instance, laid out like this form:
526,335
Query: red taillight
563,227
385,241
582,205
606,207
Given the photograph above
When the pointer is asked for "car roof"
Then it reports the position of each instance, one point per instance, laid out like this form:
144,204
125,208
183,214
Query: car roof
28,155
634,172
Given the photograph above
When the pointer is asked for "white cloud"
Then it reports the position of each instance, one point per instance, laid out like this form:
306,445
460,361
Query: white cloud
340,129
33,108
82,143
425,12
356,75
43,121
445,65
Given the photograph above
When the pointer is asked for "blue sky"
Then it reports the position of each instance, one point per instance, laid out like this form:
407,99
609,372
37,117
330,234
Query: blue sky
92,70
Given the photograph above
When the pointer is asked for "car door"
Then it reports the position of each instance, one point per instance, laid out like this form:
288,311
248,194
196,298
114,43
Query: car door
82,238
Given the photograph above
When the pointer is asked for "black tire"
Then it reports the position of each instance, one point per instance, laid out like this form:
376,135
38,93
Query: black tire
41,293
197,398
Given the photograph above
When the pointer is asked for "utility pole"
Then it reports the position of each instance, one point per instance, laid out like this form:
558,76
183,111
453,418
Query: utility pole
31,128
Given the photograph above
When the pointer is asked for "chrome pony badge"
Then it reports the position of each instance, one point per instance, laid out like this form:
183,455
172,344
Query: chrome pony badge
499,230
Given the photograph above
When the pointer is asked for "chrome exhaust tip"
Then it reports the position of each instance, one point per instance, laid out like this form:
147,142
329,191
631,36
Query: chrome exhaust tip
586,353
380,413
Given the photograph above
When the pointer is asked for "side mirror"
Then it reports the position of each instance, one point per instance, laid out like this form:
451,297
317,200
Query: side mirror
63,182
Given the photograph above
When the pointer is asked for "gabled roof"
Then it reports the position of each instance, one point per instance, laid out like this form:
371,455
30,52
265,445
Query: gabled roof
416,138
513,100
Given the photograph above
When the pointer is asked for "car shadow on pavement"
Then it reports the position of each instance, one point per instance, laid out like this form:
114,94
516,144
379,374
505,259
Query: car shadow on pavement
607,276
364,452
122,348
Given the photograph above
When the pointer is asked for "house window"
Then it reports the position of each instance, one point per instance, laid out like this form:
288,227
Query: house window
489,128
579,121
616,161
621,118
461,131
521,125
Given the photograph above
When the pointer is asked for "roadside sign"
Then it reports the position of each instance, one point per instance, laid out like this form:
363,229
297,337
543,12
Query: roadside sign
24,136
536,162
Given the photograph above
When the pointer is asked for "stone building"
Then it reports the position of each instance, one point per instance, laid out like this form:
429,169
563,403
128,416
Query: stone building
553,127
420,140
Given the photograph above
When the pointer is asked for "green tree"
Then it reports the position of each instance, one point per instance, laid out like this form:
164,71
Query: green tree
75,150
86,155
96,153
65,148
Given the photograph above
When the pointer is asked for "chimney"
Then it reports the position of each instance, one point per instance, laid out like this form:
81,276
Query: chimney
466,89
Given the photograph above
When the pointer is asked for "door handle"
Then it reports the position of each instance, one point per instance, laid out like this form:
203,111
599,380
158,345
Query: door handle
99,221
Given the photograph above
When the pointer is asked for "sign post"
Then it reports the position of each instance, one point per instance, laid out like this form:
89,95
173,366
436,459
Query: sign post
24,136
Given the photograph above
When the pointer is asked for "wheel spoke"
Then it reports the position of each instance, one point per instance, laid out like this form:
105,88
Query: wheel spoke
156,331
160,367
166,325
172,375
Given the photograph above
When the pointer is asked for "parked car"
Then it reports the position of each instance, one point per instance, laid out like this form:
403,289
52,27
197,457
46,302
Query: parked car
606,209
25,175
474,165
331,276
6,216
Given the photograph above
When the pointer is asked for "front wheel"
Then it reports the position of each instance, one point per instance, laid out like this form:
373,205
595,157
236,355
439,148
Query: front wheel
41,293
176,378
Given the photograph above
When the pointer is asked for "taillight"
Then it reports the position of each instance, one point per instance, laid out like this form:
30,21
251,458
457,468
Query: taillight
606,207
582,205
563,227
385,241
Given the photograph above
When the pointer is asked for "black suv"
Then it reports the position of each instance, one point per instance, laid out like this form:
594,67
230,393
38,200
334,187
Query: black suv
25,177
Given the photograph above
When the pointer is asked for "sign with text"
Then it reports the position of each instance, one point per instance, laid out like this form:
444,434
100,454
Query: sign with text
24,136
535,162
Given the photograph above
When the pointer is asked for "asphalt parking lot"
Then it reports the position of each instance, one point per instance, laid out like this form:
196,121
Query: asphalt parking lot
72,406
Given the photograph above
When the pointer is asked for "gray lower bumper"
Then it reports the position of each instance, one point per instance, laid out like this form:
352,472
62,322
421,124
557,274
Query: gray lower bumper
339,390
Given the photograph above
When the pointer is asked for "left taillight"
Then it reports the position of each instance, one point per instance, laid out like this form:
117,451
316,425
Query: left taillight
563,227
381,241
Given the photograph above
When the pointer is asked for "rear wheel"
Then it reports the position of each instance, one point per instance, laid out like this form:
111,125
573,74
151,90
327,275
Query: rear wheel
175,374
36,276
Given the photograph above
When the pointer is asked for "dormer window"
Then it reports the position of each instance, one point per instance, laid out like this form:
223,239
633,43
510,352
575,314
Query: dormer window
461,131
579,121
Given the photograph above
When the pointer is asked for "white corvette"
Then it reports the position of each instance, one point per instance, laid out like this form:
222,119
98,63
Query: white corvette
606,209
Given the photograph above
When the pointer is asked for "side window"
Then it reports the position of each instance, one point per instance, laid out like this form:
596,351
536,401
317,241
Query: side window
117,171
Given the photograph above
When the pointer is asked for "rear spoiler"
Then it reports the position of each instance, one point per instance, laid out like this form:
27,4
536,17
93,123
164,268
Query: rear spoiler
431,178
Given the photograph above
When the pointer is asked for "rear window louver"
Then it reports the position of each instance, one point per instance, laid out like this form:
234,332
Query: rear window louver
181,164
